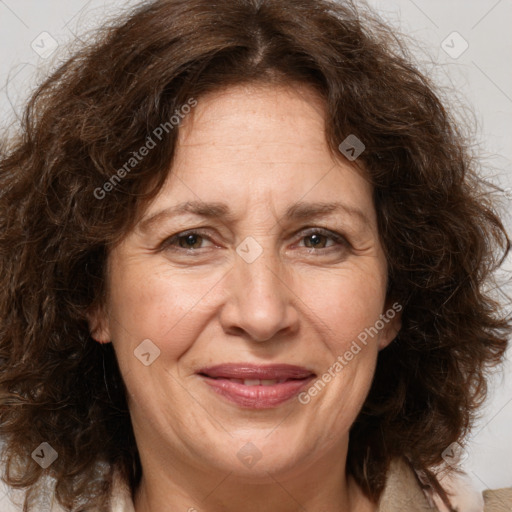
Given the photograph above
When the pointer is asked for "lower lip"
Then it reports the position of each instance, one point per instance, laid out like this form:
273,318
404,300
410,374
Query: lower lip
257,397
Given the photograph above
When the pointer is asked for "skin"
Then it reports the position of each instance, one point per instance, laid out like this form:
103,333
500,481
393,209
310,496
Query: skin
260,149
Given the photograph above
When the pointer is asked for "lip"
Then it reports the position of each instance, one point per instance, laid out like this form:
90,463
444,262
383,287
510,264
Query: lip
226,380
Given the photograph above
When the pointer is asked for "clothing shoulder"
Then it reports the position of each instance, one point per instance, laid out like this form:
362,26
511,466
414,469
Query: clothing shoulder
403,492
499,500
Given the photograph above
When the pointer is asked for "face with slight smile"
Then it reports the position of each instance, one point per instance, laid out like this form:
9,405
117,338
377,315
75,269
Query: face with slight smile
232,295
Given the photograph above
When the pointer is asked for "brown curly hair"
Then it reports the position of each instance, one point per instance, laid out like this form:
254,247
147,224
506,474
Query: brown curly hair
438,223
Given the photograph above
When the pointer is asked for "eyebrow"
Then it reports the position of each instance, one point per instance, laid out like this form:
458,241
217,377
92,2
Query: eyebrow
216,210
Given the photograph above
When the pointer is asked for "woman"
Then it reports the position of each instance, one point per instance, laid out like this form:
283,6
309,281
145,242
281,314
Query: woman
244,254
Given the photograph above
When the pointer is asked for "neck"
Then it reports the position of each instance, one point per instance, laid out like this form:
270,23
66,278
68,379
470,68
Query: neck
321,485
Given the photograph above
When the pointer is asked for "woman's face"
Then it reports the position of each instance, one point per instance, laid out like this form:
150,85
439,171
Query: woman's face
260,276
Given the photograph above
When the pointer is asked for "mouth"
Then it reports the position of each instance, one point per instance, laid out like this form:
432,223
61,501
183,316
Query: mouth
255,386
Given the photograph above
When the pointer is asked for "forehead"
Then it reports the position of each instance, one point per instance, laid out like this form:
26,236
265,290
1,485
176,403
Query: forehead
260,147
250,115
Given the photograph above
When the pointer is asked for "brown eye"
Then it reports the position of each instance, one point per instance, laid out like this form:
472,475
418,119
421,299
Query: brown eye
319,238
190,241
316,240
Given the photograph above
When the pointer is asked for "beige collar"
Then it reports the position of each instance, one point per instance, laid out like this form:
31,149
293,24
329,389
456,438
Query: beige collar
402,493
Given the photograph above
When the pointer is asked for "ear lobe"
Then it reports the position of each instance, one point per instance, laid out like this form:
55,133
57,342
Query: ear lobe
98,325
392,317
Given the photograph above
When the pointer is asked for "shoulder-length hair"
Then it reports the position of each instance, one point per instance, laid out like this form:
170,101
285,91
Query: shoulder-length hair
65,202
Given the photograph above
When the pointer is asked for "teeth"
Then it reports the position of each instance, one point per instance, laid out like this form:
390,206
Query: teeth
251,382
262,382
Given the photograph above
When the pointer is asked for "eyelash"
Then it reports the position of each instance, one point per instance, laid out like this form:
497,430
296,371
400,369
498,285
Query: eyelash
339,240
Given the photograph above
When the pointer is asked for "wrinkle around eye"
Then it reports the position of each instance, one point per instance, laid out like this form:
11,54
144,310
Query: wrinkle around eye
210,238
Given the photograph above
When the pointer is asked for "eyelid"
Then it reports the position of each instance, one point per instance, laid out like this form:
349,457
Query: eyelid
334,235
338,238
167,241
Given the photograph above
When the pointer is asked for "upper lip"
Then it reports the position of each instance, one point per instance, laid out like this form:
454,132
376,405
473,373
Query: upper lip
255,371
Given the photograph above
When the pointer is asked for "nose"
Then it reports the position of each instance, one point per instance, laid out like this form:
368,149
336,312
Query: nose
260,304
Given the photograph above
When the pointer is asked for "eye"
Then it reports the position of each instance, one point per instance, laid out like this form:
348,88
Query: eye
189,240
317,238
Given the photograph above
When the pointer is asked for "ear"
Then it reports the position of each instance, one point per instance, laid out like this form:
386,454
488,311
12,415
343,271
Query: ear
392,319
98,324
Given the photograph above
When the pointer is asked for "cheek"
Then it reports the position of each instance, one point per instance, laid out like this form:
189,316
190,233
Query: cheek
154,303
164,304
346,302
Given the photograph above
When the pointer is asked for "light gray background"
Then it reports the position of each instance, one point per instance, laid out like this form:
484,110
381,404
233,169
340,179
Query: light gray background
480,77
